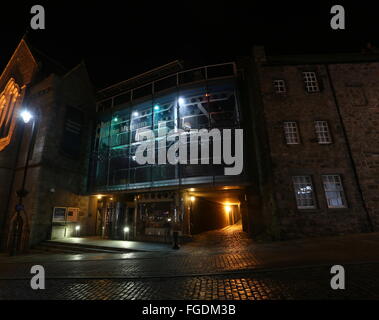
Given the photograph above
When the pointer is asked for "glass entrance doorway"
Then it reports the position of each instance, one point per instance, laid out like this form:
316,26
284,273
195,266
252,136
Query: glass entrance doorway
155,221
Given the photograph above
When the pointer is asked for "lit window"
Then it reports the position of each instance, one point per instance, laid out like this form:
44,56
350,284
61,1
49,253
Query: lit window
334,192
291,132
280,86
304,192
322,132
311,83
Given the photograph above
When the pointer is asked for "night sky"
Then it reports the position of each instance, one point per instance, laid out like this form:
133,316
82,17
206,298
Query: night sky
119,39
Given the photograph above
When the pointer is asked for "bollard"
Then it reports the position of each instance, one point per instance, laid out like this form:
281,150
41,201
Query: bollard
175,235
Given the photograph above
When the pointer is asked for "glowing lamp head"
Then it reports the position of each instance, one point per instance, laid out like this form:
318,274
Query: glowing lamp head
156,107
135,114
228,209
126,229
77,228
181,101
26,116
192,198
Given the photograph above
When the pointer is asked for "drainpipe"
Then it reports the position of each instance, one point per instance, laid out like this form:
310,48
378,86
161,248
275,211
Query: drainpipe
355,172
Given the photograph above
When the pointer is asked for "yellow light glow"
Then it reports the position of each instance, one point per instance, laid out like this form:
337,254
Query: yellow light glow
228,209
193,198
99,196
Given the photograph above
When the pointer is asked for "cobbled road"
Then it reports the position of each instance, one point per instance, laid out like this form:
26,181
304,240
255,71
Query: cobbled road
218,265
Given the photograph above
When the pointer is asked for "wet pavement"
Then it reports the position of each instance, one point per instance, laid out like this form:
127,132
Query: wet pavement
299,284
222,264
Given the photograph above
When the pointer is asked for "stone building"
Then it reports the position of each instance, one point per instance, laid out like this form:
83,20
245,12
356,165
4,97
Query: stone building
61,102
317,119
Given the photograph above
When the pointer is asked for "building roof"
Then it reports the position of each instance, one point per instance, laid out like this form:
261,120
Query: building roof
141,79
367,55
47,65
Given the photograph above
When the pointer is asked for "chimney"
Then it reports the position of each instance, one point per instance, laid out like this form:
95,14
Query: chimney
259,54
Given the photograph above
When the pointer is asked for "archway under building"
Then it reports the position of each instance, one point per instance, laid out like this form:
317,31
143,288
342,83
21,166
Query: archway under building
214,208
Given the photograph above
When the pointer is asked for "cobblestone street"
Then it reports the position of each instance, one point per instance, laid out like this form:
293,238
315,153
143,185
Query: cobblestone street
221,264
309,283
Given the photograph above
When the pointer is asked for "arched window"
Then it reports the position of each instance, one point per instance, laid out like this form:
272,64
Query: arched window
8,107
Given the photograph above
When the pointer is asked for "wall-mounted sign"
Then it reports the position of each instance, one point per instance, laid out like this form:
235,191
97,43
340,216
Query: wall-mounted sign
59,214
72,214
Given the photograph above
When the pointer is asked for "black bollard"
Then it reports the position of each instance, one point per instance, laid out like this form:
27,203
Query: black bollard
175,235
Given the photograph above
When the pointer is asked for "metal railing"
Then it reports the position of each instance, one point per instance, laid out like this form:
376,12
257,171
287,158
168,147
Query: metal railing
210,72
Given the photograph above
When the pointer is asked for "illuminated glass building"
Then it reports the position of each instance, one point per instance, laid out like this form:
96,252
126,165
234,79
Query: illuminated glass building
150,199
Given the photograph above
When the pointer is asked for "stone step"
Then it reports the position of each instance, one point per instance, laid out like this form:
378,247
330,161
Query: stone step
56,246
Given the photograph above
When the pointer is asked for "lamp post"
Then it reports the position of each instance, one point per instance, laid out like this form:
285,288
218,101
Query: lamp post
22,193
126,233
77,230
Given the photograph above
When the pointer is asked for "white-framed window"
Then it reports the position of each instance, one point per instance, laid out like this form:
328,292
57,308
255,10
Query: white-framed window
322,132
310,80
304,192
334,193
291,132
280,86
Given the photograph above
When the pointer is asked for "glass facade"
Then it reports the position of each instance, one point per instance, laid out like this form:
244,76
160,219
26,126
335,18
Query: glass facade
199,99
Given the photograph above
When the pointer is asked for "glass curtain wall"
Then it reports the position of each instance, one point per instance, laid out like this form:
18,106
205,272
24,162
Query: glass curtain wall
205,106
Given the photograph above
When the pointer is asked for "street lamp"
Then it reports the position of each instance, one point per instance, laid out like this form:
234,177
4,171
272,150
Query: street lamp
126,233
26,117
77,230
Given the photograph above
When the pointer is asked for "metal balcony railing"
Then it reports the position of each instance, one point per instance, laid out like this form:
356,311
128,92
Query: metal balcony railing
211,72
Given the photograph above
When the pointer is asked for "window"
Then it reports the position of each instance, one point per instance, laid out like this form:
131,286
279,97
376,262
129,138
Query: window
334,193
304,192
291,132
322,132
311,83
280,86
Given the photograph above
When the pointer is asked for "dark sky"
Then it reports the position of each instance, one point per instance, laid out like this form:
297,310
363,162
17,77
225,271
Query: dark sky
118,39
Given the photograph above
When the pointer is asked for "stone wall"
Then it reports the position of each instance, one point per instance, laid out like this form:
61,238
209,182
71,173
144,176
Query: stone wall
308,157
54,179
357,92
63,179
